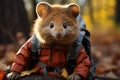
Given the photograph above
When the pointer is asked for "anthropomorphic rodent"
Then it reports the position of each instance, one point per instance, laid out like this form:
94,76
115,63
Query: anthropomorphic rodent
56,28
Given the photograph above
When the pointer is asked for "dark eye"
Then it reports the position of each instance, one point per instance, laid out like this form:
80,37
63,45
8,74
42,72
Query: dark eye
51,25
65,25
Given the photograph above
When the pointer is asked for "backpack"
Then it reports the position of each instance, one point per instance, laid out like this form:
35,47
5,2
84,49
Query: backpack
82,40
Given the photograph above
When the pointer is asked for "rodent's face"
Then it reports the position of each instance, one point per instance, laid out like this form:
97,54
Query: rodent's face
58,25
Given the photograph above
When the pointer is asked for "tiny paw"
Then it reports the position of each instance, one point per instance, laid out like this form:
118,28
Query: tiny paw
74,77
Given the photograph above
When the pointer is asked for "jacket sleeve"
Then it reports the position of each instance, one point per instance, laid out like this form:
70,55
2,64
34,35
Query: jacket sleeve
22,57
83,64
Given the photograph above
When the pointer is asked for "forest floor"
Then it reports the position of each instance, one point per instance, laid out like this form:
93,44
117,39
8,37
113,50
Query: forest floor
106,53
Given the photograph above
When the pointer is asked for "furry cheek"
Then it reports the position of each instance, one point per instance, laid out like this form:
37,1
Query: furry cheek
72,32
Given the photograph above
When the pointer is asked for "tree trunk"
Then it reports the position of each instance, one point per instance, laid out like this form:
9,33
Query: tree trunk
117,11
91,11
13,19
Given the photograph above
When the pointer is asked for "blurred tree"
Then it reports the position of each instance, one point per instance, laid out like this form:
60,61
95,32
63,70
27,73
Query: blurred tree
91,11
30,6
13,19
82,4
118,11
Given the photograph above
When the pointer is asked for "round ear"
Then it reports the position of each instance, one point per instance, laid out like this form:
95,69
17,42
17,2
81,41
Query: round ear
74,9
42,8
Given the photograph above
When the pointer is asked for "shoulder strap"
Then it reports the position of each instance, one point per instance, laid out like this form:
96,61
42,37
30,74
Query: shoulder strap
35,47
87,45
74,51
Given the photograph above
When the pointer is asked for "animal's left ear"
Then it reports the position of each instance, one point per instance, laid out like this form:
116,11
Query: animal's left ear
74,9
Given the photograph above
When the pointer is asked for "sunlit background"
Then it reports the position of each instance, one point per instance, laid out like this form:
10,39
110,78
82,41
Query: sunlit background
102,18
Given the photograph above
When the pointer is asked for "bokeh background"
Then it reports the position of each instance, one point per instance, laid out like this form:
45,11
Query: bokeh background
102,18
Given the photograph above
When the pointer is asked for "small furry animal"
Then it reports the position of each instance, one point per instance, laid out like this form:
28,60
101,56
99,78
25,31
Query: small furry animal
56,24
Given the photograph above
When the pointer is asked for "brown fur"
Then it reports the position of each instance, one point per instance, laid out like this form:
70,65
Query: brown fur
57,15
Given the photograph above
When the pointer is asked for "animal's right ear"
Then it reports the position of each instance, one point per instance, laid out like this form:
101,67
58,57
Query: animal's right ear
42,8
74,9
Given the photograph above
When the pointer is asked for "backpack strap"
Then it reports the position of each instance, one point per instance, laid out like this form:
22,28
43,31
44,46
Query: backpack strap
87,45
35,44
74,50
35,49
